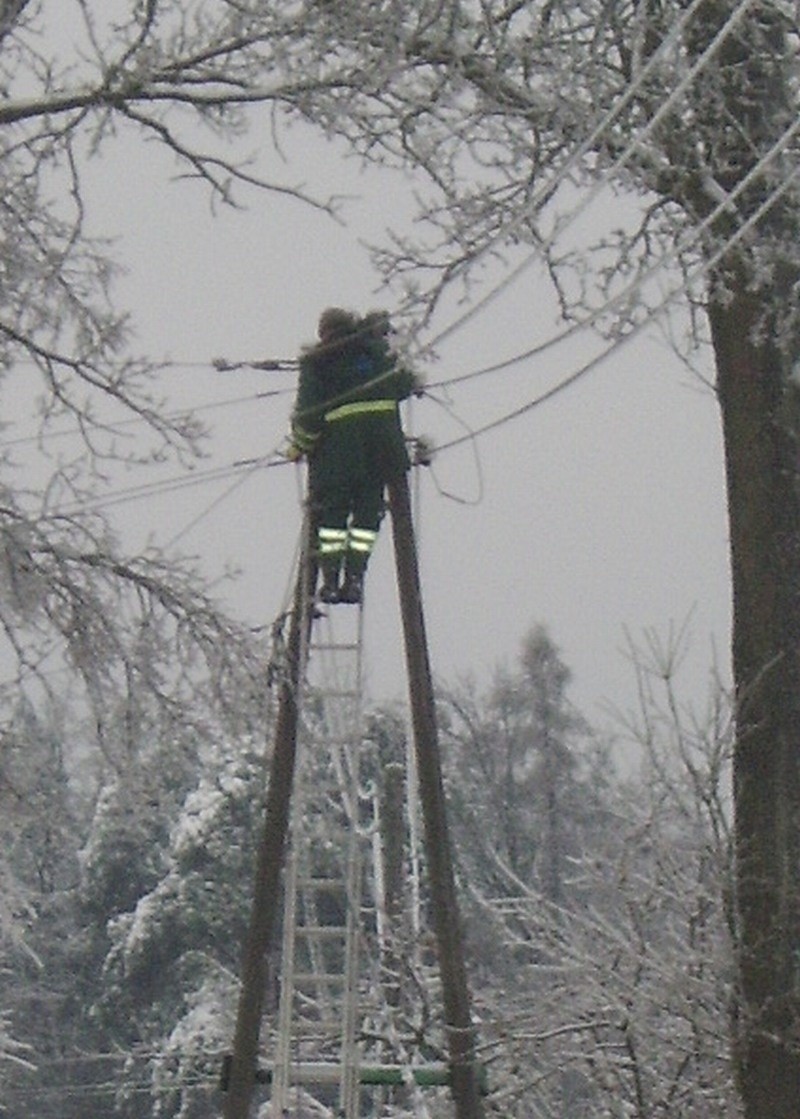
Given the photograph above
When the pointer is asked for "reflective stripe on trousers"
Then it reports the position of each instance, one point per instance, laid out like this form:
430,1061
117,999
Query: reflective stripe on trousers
361,540
337,541
331,541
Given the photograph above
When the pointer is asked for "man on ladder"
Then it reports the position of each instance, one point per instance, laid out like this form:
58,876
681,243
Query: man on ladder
346,423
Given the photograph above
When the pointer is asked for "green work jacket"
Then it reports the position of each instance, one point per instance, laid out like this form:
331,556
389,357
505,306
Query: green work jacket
346,389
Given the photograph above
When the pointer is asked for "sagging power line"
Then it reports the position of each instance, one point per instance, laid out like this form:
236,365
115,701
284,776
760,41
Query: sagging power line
576,154
702,269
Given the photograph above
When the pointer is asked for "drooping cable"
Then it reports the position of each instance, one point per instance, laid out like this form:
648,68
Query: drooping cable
134,421
574,157
688,239
700,271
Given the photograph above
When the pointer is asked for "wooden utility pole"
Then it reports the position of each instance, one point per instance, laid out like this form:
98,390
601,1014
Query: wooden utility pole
455,990
240,1073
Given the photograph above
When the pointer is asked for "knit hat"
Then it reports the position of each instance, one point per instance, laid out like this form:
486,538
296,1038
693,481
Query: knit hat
334,323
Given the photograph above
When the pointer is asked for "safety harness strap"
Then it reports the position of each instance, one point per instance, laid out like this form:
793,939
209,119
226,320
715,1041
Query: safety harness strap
302,439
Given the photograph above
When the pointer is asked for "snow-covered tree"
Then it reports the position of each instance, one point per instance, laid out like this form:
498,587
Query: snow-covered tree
169,979
524,773
41,834
620,1003
71,78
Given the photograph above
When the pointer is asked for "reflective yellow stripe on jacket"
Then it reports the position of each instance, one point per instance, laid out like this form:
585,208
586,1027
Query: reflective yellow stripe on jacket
359,408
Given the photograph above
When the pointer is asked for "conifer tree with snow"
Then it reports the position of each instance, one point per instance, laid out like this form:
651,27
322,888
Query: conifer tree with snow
524,773
40,827
172,957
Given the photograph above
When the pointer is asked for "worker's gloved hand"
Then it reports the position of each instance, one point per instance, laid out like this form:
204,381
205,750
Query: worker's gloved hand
422,450
292,453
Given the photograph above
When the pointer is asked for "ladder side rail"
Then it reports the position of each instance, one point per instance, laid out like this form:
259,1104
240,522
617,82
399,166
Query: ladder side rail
281,1069
350,779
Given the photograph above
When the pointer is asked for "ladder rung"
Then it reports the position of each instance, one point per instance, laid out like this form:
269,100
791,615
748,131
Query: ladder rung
321,884
322,932
330,646
318,977
319,1030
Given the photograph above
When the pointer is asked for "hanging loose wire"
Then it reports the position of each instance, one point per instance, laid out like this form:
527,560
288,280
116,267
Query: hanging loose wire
469,436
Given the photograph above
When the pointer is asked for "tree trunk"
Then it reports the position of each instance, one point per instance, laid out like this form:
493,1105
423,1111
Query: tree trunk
758,401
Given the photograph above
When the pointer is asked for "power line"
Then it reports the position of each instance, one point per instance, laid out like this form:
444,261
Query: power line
221,365
583,370
220,474
582,148
601,126
694,234
170,485
148,489
602,123
686,241
216,502
137,420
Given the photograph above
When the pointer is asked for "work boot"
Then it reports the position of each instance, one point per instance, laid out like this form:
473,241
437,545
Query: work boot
329,591
352,589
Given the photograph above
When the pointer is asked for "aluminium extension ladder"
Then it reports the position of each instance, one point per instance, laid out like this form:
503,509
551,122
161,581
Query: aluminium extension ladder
329,835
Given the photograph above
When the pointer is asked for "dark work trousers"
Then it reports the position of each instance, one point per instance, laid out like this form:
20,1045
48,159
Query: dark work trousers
348,472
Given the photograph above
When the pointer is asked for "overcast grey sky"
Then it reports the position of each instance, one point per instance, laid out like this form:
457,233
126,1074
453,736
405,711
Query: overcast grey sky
599,511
